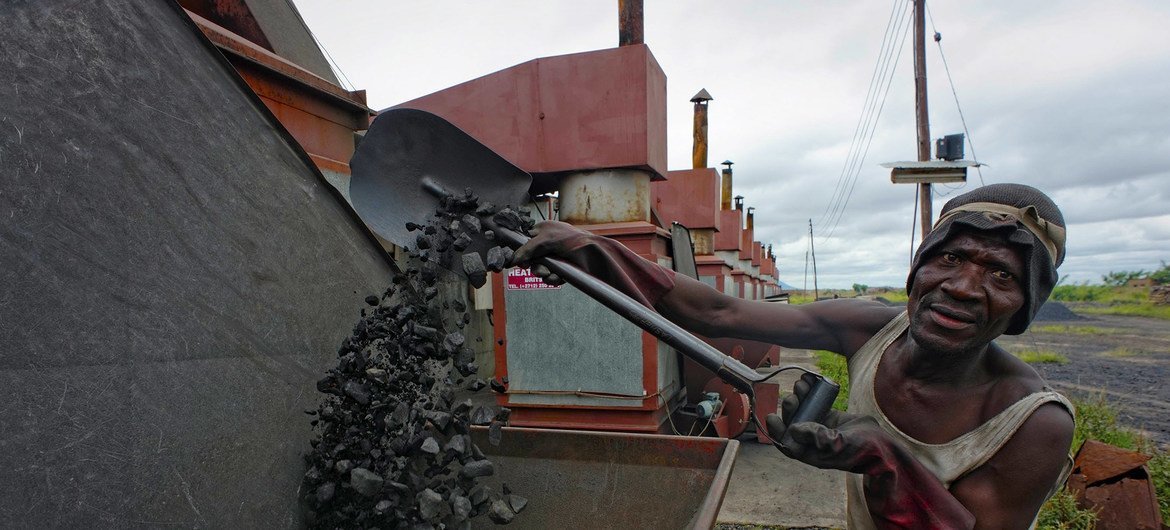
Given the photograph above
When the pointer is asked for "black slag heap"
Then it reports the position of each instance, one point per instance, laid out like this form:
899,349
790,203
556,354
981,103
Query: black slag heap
394,449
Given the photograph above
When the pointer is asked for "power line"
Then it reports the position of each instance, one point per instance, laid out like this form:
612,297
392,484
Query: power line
963,120
859,159
337,67
870,93
914,224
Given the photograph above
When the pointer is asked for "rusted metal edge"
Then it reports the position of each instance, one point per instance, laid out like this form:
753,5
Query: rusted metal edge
251,52
709,510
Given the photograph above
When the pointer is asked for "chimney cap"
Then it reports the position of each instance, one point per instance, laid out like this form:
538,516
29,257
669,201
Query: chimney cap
751,209
727,163
702,96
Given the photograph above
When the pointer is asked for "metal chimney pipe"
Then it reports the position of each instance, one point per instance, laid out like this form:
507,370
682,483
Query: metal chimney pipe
630,22
751,217
699,152
725,197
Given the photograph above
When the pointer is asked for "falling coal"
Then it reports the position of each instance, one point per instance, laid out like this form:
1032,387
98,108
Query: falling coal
393,447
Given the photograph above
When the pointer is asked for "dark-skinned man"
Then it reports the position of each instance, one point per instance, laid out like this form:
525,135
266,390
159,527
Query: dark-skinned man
945,429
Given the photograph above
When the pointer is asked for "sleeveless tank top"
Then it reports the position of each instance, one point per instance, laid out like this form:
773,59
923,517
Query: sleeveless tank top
948,461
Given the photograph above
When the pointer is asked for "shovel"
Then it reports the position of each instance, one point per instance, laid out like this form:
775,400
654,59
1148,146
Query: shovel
410,159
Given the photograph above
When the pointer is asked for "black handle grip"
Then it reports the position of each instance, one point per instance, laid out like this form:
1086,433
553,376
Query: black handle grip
817,402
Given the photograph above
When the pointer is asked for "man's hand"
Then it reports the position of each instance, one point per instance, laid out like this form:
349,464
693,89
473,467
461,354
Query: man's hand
549,239
899,491
843,441
600,257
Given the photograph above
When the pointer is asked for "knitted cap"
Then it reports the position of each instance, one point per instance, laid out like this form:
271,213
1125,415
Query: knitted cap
1026,218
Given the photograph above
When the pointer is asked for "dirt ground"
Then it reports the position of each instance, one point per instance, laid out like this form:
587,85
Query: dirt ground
1126,358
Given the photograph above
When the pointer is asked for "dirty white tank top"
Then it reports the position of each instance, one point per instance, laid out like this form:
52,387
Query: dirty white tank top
948,461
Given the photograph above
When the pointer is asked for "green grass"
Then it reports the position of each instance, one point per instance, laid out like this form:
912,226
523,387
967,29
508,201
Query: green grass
1072,330
1160,473
1099,293
834,367
1107,300
1061,513
800,299
1132,309
1122,351
1097,420
1041,357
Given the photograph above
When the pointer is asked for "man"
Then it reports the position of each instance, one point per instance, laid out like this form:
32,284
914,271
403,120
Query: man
945,429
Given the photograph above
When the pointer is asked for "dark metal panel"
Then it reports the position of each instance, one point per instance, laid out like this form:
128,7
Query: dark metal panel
174,277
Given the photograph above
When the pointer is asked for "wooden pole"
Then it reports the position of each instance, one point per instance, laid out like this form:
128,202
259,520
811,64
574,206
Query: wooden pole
920,108
816,290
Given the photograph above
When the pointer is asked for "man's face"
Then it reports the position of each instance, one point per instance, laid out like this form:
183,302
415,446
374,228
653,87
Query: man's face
965,294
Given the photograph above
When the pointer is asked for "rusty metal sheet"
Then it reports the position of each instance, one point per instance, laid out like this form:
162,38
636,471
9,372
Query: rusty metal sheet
689,197
592,110
730,228
578,479
1099,461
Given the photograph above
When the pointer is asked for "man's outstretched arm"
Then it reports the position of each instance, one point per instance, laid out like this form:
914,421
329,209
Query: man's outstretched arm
840,325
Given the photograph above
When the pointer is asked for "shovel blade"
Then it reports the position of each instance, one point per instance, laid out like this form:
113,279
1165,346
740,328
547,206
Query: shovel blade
405,147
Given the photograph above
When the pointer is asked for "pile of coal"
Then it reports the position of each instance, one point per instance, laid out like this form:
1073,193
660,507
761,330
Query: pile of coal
393,448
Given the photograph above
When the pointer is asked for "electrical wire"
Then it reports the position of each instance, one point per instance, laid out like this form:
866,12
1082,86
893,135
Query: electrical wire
754,415
869,94
962,119
860,159
913,224
348,85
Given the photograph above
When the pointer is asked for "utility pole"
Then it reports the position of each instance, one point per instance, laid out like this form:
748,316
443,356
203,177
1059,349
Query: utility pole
921,116
816,290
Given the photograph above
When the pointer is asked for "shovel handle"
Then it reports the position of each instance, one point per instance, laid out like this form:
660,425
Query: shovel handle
727,368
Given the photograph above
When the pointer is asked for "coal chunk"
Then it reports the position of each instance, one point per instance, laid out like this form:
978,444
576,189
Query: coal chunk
475,270
461,242
498,258
357,392
500,512
495,433
325,492
477,468
461,506
516,502
365,481
471,223
482,415
430,504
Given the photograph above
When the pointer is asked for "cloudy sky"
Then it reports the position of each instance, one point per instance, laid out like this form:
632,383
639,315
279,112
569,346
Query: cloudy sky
1072,97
